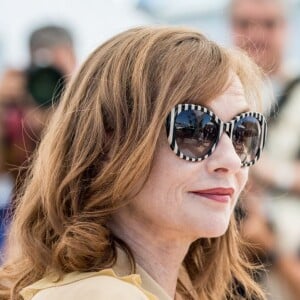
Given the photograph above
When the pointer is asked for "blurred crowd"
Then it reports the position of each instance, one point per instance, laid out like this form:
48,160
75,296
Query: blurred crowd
269,211
271,221
27,99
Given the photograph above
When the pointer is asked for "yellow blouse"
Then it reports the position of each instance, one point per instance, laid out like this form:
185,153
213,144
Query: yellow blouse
108,284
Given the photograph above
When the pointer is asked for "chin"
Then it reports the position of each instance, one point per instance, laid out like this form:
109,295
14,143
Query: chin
213,228
217,233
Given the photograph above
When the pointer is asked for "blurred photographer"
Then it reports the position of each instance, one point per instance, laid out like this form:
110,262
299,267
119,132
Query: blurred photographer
27,96
27,99
52,61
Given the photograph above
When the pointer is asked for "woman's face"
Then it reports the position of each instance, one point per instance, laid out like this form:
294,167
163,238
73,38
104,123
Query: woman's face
172,200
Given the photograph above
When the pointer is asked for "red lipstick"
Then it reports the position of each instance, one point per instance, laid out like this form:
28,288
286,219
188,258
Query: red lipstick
219,194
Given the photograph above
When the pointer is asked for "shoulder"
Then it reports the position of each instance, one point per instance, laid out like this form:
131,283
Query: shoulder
93,288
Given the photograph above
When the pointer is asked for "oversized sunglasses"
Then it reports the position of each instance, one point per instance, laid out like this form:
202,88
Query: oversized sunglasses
194,132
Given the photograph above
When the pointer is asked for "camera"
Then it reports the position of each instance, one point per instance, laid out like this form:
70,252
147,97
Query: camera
45,83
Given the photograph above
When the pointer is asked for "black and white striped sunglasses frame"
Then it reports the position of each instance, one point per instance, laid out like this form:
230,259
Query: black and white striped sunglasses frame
223,127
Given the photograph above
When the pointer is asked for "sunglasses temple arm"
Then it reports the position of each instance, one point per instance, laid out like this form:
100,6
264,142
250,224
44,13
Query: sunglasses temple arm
170,126
263,137
264,133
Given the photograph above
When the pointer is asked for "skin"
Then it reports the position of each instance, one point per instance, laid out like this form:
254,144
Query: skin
165,217
259,27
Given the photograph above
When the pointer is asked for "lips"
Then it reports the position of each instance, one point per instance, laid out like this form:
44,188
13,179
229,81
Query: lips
220,194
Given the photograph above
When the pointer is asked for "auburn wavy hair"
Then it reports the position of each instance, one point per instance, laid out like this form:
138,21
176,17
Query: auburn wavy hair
100,142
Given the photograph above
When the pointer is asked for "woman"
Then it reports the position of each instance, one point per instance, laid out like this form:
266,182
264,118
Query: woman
109,211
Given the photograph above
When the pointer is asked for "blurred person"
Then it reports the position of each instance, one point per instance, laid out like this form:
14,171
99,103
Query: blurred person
52,62
12,93
132,190
27,98
260,28
53,45
13,104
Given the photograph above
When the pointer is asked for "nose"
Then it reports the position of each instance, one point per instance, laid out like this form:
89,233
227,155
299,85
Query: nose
257,33
224,159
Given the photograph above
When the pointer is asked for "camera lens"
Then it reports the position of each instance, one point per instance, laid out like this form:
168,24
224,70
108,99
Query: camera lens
45,84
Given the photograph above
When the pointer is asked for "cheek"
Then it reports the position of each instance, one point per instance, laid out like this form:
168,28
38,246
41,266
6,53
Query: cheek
242,179
167,183
159,202
167,177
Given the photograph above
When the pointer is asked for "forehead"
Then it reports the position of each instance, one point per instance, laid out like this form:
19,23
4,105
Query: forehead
257,8
231,102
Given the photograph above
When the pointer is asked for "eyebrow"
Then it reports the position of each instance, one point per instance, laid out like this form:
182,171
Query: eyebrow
243,110
246,109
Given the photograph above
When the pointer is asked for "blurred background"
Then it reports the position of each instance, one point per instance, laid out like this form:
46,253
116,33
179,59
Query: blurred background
93,21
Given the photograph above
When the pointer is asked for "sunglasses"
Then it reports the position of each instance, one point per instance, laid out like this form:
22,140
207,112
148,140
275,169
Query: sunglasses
194,132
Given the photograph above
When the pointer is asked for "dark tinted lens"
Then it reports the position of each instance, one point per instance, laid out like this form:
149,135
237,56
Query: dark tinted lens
246,138
195,133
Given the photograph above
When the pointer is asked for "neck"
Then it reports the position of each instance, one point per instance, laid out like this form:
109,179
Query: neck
155,251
